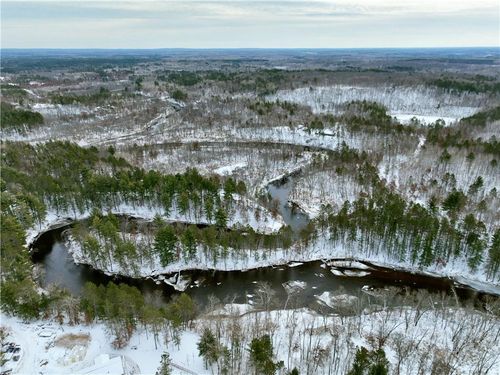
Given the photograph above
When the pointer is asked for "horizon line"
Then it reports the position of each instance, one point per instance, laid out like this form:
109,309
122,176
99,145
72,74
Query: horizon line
239,48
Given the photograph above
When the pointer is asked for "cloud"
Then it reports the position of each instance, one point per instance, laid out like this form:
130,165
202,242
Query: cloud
238,23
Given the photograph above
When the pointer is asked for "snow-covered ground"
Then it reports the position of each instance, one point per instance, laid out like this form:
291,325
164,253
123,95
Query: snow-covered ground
253,163
402,102
331,138
40,355
320,248
419,175
325,187
414,340
60,110
244,213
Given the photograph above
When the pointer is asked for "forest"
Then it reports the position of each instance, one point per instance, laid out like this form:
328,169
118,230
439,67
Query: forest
262,212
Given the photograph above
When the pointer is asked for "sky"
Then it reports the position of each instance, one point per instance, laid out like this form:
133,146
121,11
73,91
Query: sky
249,24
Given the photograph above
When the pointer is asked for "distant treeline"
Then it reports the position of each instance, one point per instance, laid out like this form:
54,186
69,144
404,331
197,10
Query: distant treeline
89,99
18,119
478,85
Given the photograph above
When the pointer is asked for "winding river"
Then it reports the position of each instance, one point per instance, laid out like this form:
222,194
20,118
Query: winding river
51,254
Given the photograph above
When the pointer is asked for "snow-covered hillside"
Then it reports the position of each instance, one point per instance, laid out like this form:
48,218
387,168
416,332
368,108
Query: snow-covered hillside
425,103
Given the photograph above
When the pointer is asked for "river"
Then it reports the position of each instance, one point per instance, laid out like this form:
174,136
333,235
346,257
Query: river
58,267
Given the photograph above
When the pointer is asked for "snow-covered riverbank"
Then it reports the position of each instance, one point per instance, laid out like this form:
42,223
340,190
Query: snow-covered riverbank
321,248
244,213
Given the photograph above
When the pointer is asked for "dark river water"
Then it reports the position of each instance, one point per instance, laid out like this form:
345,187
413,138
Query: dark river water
58,267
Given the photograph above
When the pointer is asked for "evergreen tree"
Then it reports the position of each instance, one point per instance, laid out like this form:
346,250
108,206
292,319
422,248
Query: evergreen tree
165,243
165,365
261,356
188,240
209,348
221,218
494,254
369,363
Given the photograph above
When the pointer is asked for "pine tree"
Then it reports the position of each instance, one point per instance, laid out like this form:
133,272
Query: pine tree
188,241
208,347
164,244
221,218
165,365
261,356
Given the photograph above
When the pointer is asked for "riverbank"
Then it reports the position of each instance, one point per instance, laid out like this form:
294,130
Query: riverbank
245,213
319,250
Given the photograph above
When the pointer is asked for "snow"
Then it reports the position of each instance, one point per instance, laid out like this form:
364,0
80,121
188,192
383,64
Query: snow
420,174
348,264
179,282
355,273
425,119
232,309
254,164
333,301
59,109
229,169
337,272
242,214
317,189
447,331
100,357
403,102
294,286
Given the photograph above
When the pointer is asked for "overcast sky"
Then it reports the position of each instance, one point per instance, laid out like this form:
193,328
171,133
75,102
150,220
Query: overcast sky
263,24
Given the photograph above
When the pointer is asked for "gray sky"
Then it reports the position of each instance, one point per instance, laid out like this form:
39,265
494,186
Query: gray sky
240,24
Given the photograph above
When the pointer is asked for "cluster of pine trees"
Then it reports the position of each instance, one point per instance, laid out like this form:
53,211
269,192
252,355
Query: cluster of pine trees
385,222
66,178
19,119
123,308
458,137
69,178
96,98
361,115
107,239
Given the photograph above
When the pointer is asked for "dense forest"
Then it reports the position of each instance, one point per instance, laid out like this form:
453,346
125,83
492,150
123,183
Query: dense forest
174,168
414,233
18,119
64,178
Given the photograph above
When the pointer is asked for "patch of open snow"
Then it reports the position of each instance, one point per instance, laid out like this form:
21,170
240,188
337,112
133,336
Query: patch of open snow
179,282
351,273
228,169
426,119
